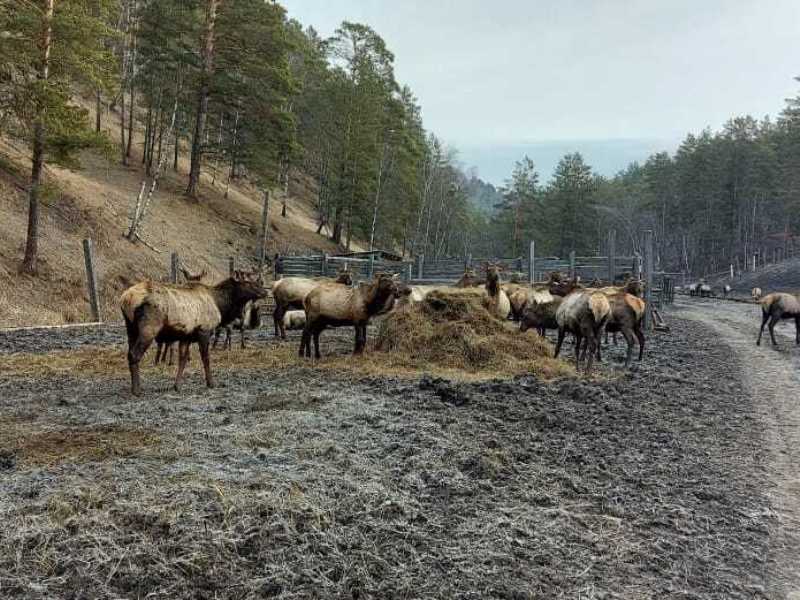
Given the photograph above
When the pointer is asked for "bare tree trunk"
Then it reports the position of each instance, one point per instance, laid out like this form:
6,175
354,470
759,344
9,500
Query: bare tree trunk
142,205
202,99
30,261
176,149
98,110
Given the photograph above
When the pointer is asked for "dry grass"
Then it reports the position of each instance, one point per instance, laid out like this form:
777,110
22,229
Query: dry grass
95,202
452,331
97,443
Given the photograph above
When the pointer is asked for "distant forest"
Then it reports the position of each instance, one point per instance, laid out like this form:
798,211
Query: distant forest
244,91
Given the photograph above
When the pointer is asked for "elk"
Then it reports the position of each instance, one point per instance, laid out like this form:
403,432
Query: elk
523,297
564,288
250,318
467,280
756,294
777,307
705,290
726,290
627,312
336,305
184,314
163,347
290,292
584,314
497,300
294,320
541,316
692,287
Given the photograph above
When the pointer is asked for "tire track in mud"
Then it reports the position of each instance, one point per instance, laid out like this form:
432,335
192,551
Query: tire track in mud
772,378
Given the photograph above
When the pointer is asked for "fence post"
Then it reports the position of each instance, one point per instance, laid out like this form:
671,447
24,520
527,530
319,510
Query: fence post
572,264
420,263
648,277
532,263
324,266
612,251
91,279
408,272
371,265
174,260
754,263
468,264
731,271
262,242
231,265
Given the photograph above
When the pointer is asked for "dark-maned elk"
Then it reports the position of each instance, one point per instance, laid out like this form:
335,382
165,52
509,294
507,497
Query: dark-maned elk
181,313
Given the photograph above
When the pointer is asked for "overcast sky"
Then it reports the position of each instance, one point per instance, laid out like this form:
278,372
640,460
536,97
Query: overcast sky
615,79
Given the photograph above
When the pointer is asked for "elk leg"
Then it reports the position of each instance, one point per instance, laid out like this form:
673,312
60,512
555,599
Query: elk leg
628,335
204,356
216,338
138,343
172,355
317,331
578,340
640,337
304,340
159,347
243,329
764,320
183,358
772,322
559,342
228,336
797,330
592,343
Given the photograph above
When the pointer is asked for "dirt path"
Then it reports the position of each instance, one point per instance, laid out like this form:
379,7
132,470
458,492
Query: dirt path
772,377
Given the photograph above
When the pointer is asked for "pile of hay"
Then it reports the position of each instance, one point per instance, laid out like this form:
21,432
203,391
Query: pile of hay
451,329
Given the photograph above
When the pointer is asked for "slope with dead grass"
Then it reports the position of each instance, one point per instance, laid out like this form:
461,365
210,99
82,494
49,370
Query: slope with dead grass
95,201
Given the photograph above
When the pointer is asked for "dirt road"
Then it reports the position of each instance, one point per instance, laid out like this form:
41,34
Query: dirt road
772,377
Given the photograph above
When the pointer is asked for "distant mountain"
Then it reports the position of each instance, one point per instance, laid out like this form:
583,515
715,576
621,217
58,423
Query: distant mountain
606,157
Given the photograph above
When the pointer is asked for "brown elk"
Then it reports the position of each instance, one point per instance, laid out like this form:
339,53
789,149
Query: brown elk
162,348
184,314
540,316
290,292
777,307
584,314
336,305
497,302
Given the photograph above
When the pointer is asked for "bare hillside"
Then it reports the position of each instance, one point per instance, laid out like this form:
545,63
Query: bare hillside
95,202
780,277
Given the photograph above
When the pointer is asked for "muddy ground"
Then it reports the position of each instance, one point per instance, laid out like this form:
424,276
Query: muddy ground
658,483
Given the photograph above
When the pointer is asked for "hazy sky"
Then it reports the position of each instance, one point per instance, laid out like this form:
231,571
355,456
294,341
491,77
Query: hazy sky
615,79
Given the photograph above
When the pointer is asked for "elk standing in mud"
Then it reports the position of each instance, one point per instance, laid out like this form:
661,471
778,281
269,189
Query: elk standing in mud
584,314
776,307
541,316
335,305
162,348
249,319
627,312
184,314
290,292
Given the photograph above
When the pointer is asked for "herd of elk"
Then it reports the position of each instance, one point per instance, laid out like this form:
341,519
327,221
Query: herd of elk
193,312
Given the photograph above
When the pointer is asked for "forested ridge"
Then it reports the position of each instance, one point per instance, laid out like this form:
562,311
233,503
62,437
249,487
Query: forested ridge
243,91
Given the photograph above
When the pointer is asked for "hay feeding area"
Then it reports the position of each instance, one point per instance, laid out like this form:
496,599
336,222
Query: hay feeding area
452,330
